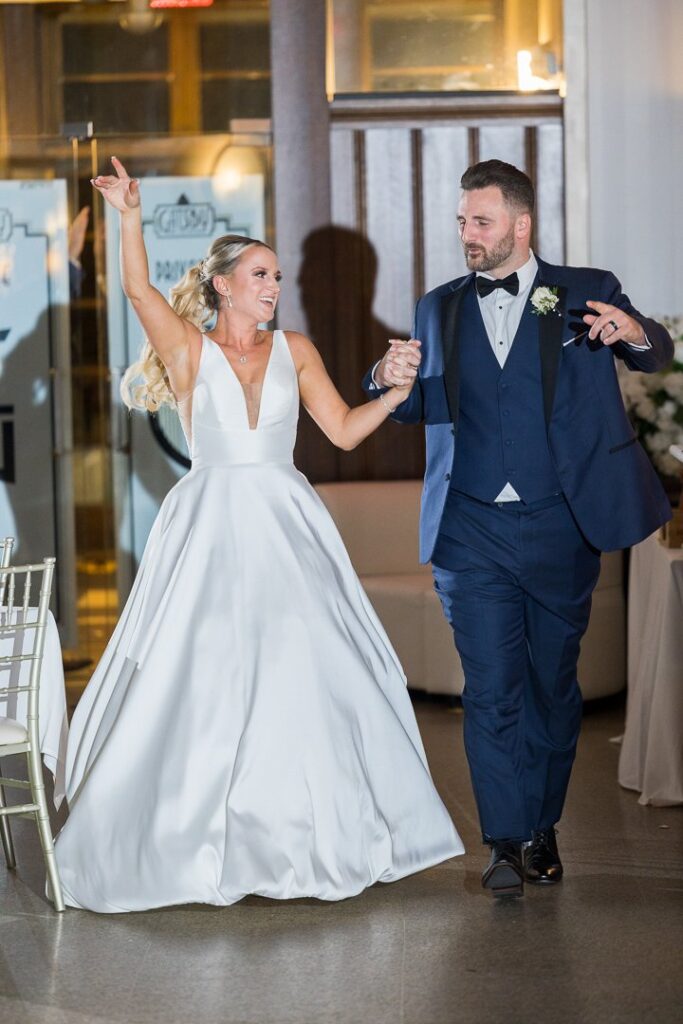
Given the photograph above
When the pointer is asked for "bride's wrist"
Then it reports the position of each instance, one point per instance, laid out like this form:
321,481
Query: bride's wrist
401,392
132,210
390,408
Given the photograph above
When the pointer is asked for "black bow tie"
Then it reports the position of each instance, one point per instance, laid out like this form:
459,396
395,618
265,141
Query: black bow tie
486,285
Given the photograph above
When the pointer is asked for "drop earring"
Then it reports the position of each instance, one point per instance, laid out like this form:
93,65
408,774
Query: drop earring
228,300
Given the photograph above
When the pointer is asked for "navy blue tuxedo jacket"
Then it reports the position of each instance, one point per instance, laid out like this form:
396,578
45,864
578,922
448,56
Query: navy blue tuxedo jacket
607,479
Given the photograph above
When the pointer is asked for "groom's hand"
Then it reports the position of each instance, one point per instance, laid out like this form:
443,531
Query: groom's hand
399,366
611,324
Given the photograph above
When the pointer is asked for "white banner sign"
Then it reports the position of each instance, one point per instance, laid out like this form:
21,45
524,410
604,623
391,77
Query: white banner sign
36,493
181,217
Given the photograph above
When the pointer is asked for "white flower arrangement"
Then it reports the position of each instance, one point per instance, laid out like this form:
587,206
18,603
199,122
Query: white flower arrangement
655,403
544,300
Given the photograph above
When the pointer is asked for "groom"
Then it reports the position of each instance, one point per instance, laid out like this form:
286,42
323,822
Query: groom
533,469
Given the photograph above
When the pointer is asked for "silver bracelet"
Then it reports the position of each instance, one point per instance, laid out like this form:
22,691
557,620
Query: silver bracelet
386,405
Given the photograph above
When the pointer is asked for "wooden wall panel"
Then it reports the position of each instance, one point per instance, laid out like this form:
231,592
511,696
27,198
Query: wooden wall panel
549,180
503,142
395,180
345,195
445,156
372,247
389,204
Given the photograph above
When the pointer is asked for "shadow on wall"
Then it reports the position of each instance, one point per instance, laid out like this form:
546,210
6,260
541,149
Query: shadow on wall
336,281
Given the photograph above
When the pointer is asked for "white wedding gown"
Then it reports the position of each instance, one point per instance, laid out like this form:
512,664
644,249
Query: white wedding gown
248,729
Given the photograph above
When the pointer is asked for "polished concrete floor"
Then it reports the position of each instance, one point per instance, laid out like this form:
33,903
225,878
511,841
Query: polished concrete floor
603,947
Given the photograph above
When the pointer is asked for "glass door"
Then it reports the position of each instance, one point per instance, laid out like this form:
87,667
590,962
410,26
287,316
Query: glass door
116,467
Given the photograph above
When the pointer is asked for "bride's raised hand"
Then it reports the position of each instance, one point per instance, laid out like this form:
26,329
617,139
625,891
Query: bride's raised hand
120,191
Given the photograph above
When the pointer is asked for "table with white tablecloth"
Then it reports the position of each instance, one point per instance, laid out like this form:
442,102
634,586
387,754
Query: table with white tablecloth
651,759
52,719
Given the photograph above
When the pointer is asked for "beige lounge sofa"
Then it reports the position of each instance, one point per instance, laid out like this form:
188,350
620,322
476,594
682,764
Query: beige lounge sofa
379,525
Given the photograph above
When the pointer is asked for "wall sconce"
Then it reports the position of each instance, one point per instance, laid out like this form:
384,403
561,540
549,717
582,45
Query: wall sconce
138,19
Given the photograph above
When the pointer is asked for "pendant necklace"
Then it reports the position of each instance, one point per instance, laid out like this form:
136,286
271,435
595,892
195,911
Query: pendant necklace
243,356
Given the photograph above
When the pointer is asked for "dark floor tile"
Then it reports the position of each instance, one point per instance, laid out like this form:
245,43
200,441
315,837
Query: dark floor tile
601,948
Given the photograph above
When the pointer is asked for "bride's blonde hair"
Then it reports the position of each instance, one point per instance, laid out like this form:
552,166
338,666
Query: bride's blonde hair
145,384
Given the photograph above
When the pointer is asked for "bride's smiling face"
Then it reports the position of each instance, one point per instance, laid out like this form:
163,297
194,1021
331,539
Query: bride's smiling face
254,285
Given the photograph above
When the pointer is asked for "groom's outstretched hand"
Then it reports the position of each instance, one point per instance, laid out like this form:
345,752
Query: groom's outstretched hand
610,324
399,366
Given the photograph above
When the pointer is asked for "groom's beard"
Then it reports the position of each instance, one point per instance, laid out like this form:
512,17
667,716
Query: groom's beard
478,257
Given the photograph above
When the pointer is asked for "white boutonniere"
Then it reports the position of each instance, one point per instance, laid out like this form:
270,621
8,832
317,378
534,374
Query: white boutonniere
544,300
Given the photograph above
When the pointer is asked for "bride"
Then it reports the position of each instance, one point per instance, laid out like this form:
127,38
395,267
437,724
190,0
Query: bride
248,729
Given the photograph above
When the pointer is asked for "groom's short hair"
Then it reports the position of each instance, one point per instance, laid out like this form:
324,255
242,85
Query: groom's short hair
514,184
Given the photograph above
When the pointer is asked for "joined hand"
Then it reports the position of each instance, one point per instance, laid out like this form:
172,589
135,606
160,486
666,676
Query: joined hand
399,366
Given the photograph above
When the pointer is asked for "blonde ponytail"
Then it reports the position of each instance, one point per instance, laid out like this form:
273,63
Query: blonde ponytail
145,384
194,298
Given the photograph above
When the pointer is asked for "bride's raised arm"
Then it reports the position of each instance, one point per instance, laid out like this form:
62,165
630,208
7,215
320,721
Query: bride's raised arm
346,427
170,335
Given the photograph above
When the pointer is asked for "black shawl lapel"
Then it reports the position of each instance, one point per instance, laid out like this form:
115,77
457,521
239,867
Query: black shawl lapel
550,330
450,314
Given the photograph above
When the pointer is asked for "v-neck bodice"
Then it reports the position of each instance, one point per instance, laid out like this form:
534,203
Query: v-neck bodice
220,431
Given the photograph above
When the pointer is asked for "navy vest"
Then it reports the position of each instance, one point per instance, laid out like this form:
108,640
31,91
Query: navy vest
501,432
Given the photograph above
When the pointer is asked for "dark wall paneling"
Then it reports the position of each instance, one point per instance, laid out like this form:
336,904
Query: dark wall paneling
418,212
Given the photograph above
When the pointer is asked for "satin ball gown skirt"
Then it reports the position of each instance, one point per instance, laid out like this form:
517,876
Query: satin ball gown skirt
248,729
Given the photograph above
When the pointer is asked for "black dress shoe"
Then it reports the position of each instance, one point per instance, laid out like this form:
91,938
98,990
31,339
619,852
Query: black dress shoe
542,864
505,874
